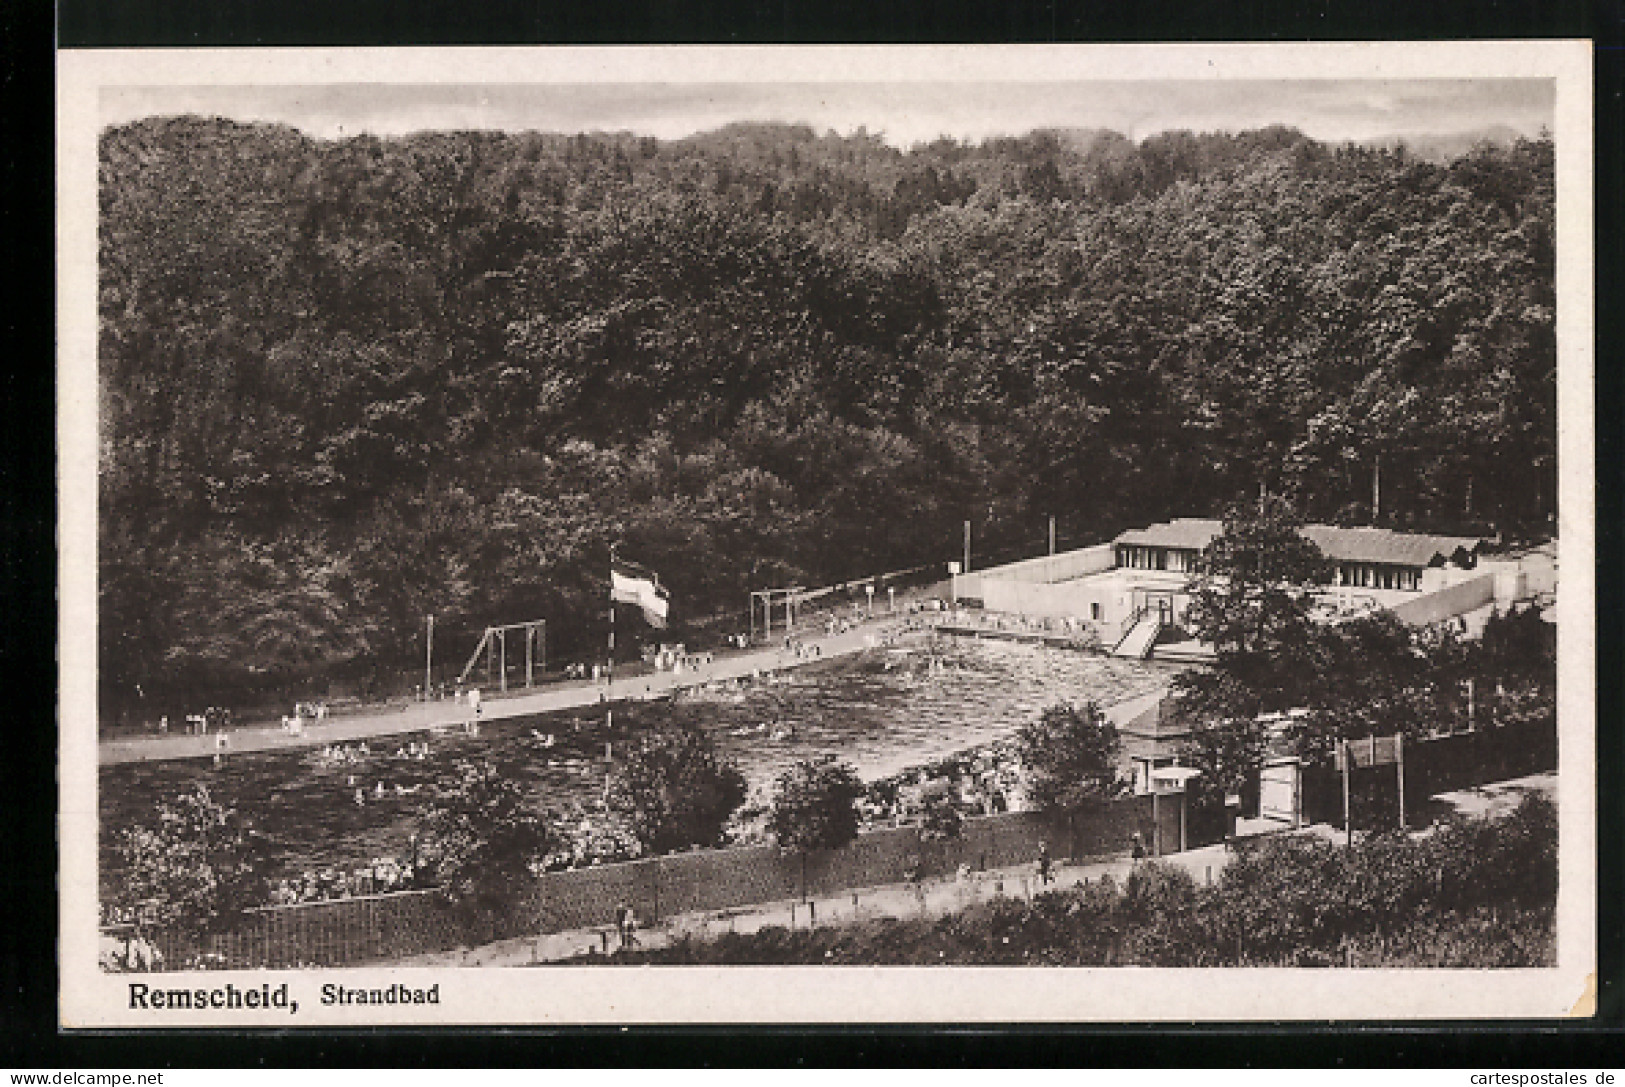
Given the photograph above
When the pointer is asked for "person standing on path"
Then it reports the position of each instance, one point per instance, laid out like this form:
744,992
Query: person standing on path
626,923
1045,875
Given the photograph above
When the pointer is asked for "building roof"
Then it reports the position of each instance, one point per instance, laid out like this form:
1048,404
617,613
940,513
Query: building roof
1381,545
1374,545
1192,533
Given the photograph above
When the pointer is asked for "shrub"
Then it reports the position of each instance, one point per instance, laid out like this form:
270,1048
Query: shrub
676,790
1071,757
196,871
815,805
480,838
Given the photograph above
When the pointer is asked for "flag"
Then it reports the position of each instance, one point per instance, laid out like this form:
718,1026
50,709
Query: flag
630,585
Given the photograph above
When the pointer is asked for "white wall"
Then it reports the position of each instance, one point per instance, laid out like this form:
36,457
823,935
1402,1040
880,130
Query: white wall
1046,569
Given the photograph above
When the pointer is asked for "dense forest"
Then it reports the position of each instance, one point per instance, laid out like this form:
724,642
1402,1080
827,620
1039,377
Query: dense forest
349,383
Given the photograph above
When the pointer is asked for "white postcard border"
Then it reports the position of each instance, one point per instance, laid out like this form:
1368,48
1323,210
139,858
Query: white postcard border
90,998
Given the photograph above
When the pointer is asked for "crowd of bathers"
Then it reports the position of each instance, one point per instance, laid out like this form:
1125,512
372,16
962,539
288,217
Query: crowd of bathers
1079,632
382,876
982,781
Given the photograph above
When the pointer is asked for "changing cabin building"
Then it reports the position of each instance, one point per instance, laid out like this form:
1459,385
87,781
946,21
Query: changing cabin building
1132,594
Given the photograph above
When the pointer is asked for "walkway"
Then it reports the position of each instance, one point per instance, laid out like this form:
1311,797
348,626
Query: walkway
932,898
419,716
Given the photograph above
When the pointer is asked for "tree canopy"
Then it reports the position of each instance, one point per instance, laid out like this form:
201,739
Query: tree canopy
1070,756
815,805
349,383
481,838
196,869
676,790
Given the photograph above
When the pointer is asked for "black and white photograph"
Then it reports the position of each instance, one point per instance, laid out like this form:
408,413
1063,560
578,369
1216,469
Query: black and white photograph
1065,533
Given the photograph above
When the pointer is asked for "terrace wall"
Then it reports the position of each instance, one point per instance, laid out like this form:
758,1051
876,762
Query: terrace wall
1448,603
1044,570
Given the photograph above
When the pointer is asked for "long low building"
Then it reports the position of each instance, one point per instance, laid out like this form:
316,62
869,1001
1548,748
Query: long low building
1131,594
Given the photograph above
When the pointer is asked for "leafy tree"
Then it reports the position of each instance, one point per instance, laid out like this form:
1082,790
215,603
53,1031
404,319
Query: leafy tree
1254,584
1518,646
940,820
1229,752
1373,676
1071,757
481,837
815,805
350,382
1251,598
197,870
676,790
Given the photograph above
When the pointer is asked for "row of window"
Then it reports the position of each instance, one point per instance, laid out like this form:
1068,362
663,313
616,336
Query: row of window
1357,575
1362,575
1179,560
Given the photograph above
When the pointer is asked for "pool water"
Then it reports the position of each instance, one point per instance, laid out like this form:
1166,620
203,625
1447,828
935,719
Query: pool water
883,711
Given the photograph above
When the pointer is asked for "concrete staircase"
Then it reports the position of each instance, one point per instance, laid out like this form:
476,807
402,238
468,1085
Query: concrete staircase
1140,638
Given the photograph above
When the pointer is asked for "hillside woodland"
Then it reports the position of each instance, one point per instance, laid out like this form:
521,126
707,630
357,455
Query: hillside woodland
349,383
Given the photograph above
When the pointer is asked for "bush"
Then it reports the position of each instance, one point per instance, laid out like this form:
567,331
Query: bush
940,820
196,871
480,838
676,790
815,805
1071,757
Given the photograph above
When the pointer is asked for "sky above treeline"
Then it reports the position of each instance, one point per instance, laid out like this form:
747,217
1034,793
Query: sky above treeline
902,113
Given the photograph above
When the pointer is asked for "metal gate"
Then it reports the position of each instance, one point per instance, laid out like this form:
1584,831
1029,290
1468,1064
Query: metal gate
1280,790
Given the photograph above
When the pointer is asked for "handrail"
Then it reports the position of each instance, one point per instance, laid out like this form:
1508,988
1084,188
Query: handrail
1128,625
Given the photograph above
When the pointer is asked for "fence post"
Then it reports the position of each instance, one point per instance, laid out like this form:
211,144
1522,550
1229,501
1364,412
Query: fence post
1399,764
1348,824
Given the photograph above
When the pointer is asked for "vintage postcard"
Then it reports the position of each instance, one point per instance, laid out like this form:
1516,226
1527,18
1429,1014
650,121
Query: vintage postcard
977,534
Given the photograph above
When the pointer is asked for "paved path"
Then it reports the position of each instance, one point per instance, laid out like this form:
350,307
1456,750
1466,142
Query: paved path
931,898
418,716
1500,797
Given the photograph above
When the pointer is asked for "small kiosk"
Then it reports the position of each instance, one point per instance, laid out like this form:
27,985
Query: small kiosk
1170,781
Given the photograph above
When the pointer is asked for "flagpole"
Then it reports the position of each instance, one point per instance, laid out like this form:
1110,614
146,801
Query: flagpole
609,668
